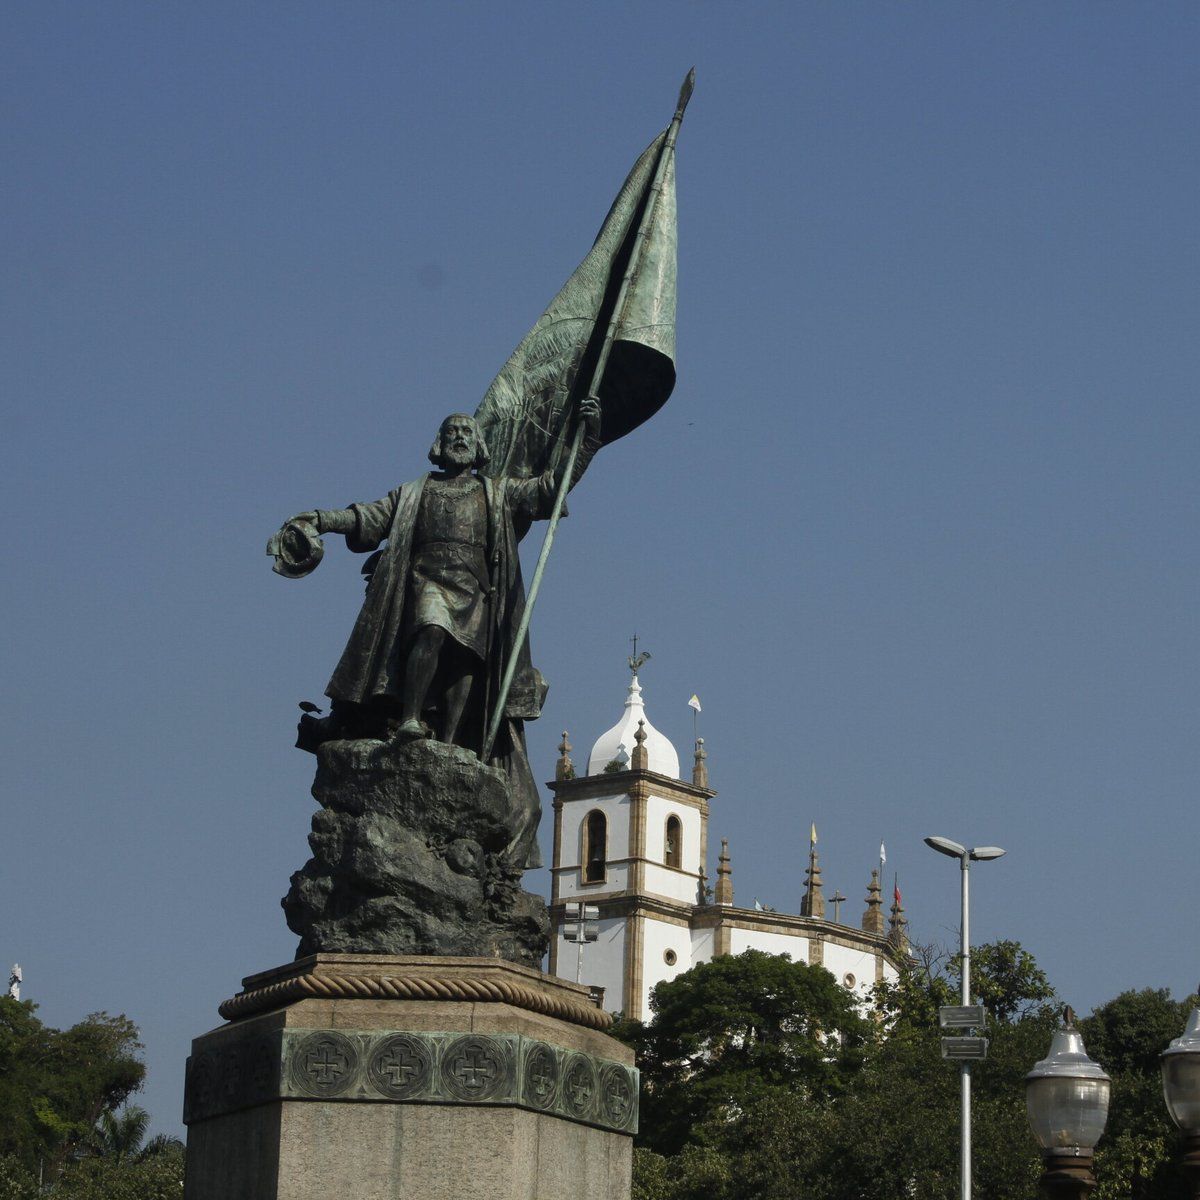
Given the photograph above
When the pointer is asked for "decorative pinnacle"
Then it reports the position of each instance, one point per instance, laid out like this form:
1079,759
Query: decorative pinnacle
1068,1016
897,932
700,767
565,768
872,920
724,892
641,756
813,904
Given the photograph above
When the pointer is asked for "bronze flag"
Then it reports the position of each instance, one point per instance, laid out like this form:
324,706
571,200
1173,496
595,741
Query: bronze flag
528,414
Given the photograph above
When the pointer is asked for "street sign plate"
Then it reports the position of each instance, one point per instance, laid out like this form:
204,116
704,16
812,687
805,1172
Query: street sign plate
962,1016
965,1049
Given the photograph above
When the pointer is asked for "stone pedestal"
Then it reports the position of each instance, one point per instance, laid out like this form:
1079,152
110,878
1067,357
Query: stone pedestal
365,1078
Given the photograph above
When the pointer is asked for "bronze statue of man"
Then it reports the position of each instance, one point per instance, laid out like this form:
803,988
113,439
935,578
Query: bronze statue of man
444,599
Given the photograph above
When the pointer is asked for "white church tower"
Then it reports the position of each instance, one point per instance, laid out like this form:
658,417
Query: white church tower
631,839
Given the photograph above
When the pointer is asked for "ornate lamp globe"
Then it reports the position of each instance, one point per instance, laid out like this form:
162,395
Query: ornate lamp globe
1067,1096
1181,1077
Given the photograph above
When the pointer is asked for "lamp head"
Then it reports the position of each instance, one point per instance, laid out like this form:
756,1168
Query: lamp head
1181,1076
946,846
982,853
1066,1095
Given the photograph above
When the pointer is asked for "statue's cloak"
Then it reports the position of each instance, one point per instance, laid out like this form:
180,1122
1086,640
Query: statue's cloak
372,665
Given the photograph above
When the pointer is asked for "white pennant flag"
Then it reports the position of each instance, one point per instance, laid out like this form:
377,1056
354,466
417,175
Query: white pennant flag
882,854
694,702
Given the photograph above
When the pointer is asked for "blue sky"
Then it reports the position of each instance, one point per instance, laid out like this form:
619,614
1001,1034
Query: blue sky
919,524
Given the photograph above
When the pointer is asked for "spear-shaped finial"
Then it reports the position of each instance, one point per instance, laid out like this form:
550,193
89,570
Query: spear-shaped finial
1068,1016
685,94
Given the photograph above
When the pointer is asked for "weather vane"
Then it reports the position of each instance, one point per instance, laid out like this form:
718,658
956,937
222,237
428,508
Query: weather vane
636,660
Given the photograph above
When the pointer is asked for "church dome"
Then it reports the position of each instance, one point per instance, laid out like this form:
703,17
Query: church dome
618,742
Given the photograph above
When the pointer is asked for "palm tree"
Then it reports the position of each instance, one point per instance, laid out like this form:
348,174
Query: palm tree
120,1134
161,1143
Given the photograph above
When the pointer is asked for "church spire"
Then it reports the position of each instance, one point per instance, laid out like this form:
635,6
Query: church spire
872,920
724,892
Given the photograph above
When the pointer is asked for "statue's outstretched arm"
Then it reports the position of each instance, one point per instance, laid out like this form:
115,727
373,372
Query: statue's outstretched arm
364,526
336,520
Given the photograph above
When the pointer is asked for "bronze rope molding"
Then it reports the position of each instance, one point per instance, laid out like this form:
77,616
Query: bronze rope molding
399,987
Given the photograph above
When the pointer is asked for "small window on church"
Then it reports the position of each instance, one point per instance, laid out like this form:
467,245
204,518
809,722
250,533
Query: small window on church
673,855
595,846
670,957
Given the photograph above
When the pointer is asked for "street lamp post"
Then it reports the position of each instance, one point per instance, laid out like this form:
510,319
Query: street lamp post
1066,1095
580,928
965,858
1181,1090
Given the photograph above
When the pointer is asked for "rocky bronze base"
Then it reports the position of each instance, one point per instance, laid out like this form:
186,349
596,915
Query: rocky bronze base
397,1098
410,857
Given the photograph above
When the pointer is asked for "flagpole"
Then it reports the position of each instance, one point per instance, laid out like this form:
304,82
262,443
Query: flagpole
510,668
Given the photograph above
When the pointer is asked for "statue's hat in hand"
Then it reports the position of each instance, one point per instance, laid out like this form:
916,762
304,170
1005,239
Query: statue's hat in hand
297,549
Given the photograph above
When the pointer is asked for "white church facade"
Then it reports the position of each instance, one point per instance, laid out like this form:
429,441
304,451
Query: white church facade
631,838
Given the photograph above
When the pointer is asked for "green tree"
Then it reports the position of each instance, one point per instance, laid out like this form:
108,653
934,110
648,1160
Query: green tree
869,1114
1007,981
55,1085
730,1030
120,1135
1138,1154
17,1181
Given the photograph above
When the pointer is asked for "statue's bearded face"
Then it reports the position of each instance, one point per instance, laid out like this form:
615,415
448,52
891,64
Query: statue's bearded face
458,443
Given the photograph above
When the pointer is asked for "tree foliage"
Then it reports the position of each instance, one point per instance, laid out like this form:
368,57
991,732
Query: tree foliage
1138,1156
1007,981
728,1032
55,1085
62,1120
831,1106
152,1177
